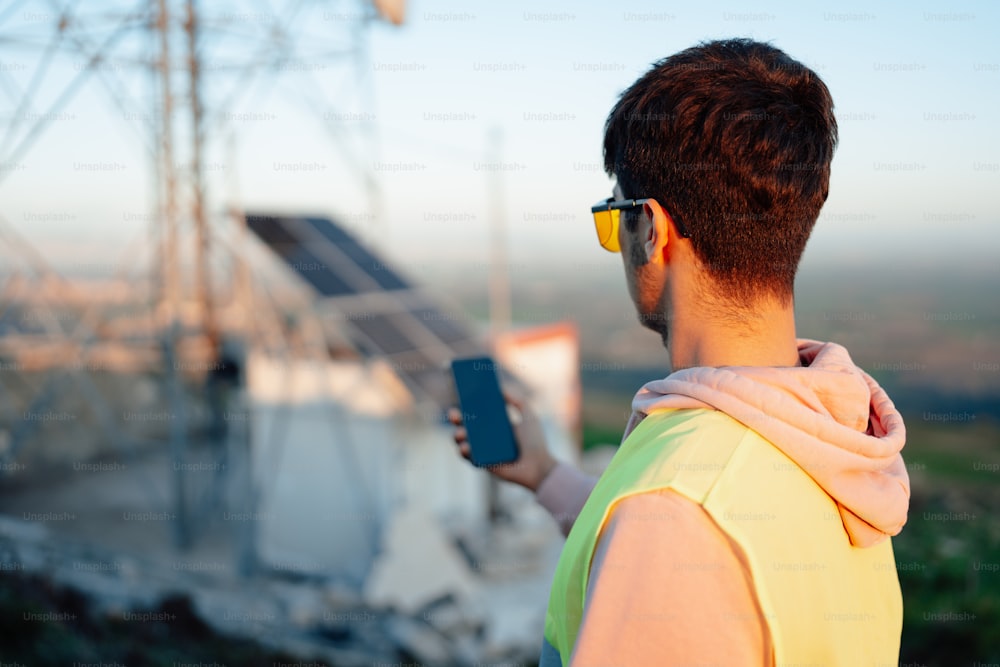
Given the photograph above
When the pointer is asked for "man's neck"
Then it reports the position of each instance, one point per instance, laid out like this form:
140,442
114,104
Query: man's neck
765,337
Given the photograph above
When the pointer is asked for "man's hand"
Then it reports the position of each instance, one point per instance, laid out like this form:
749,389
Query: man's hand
534,462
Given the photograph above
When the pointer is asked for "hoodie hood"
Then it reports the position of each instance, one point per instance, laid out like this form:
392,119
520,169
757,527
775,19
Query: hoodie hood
828,416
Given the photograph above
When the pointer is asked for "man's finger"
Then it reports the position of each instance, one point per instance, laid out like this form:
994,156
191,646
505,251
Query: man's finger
514,414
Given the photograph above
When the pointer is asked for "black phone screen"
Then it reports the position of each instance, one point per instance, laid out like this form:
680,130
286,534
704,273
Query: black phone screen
484,411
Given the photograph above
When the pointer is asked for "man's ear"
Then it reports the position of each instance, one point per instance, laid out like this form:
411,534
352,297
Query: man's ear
659,234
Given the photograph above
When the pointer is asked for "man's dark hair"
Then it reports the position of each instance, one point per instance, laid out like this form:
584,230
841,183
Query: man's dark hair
734,138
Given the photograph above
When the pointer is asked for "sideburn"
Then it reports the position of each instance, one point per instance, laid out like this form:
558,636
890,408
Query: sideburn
654,321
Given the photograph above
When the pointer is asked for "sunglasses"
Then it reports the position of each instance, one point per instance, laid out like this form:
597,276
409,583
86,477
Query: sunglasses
607,215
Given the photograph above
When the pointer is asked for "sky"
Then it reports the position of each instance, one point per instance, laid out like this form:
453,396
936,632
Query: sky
475,112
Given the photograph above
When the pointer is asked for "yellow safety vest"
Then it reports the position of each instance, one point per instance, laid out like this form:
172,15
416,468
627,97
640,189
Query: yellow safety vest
825,602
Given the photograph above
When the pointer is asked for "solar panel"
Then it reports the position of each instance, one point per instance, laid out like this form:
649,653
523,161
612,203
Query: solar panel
385,333
316,246
315,272
443,325
384,315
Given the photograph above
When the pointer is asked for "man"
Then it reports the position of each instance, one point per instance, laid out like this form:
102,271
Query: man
745,518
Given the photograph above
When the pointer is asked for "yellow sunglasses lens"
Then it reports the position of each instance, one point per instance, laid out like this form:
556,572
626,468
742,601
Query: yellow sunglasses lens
606,223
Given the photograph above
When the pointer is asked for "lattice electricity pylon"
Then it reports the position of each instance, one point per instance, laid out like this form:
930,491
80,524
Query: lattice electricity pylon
180,72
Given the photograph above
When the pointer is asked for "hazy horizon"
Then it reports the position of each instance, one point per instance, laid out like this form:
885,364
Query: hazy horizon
405,149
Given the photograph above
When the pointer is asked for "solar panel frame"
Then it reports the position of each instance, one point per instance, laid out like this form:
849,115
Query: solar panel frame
385,316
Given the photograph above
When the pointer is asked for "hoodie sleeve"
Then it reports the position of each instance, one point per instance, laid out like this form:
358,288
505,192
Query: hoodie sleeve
563,493
667,587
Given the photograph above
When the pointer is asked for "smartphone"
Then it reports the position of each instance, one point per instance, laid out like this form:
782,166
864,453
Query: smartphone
484,411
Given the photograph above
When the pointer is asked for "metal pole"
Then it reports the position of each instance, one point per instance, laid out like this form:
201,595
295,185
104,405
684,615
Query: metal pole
171,284
499,279
203,278
158,260
169,173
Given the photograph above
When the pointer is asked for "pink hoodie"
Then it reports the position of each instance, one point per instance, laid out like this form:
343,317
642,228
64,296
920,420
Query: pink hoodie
828,416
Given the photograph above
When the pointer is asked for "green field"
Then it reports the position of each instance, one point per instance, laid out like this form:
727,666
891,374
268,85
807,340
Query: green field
949,551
